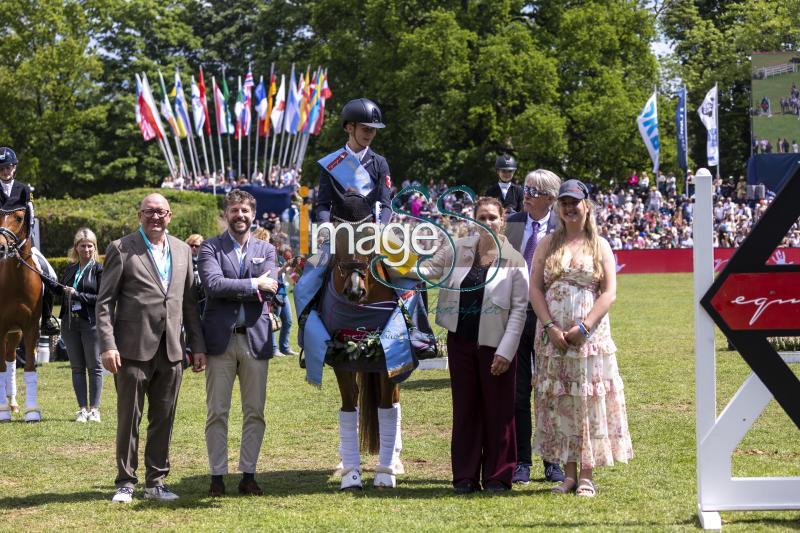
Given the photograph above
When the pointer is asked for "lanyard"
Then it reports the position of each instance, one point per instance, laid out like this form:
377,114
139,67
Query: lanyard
167,263
81,272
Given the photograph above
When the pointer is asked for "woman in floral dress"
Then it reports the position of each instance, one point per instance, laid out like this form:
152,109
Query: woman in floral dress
579,398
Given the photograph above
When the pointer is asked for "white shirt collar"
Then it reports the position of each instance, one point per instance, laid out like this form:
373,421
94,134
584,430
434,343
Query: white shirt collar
7,185
504,186
358,155
542,221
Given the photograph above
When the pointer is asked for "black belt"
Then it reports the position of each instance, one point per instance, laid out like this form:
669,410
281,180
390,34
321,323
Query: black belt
241,330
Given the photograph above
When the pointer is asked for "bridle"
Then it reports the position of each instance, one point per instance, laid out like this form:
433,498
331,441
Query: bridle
15,243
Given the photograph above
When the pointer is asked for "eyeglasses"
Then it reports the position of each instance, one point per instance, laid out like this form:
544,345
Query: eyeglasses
194,246
533,192
152,213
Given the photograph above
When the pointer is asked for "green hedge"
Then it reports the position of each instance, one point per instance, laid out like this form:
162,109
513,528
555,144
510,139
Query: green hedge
111,216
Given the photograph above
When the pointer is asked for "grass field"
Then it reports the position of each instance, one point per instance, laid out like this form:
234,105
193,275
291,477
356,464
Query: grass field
774,88
58,475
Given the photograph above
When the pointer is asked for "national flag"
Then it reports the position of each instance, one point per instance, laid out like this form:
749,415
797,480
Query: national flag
241,111
279,108
150,110
648,128
226,98
220,109
166,108
313,113
708,116
680,127
290,118
261,106
181,109
144,119
202,85
324,94
305,100
273,89
248,99
198,112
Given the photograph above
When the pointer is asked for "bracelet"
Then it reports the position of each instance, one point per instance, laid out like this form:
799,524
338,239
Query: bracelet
549,325
583,329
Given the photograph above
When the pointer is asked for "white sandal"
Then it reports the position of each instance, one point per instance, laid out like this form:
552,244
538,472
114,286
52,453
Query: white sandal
586,488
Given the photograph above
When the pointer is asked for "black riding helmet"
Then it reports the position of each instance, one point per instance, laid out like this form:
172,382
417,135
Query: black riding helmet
7,157
363,111
505,162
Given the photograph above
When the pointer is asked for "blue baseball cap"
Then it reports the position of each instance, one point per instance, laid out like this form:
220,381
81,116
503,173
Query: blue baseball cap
573,189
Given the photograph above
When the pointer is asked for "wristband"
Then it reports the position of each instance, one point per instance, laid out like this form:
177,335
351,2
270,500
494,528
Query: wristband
583,329
549,325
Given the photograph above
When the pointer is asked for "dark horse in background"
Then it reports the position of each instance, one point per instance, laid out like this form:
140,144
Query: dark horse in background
20,306
354,298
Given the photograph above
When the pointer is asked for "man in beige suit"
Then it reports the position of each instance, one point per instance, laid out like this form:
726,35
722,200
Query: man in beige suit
146,295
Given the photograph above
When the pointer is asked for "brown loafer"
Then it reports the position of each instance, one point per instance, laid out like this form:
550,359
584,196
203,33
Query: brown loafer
250,488
216,489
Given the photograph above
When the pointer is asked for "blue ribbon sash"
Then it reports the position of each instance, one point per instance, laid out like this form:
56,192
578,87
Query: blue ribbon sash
347,170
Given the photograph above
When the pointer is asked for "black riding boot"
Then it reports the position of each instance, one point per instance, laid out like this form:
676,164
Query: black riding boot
49,324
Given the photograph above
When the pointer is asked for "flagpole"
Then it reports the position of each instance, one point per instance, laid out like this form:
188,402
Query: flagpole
271,157
716,116
283,136
205,155
208,123
219,127
170,168
193,150
227,129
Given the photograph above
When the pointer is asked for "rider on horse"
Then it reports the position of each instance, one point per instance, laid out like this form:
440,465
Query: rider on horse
15,194
355,187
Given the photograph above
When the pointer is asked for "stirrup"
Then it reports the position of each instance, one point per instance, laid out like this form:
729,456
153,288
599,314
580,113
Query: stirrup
351,480
32,414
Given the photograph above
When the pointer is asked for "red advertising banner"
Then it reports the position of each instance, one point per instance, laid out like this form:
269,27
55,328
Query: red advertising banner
680,259
758,300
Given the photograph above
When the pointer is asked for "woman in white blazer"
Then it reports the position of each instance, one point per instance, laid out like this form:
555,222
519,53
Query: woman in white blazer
482,304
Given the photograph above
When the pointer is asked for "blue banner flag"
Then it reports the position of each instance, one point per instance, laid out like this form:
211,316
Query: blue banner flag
347,170
648,128
680,127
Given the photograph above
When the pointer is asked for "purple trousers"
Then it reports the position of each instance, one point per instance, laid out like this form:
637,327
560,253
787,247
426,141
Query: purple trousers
483,440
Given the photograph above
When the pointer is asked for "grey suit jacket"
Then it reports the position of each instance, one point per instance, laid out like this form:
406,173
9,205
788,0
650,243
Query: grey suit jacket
515,228
133,311
226,292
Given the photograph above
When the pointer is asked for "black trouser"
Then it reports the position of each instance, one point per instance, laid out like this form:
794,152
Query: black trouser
522,398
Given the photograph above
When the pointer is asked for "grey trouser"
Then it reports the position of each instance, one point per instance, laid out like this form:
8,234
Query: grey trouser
221,372
80,338
160,380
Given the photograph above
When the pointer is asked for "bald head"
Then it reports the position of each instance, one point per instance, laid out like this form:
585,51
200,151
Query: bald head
154,200
155,216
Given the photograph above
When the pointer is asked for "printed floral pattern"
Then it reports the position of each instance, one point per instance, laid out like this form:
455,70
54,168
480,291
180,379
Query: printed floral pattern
578,395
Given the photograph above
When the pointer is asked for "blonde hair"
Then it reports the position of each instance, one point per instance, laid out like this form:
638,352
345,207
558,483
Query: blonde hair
262,234
194,238
544,180
83,234
554,261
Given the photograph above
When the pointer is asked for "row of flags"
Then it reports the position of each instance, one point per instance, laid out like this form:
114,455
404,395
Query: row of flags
647,121
300,109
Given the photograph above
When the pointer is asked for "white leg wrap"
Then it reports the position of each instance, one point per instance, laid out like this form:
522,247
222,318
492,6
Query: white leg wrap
397,466
387,425
348,450
11,381
32,411
5,413
348,440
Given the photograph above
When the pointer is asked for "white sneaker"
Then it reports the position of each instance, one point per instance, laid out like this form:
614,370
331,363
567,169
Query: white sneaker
160,493
351,480
82,416
123,495
94,415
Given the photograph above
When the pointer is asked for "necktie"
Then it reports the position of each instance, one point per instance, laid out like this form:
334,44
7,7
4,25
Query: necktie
530,246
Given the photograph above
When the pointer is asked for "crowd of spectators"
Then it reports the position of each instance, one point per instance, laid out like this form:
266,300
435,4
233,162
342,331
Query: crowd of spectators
277,178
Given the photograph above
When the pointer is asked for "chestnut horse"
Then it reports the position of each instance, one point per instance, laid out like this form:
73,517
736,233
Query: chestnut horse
364,391
21,310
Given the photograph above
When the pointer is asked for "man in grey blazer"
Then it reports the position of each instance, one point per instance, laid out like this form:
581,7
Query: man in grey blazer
239,275
524,231
146,295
